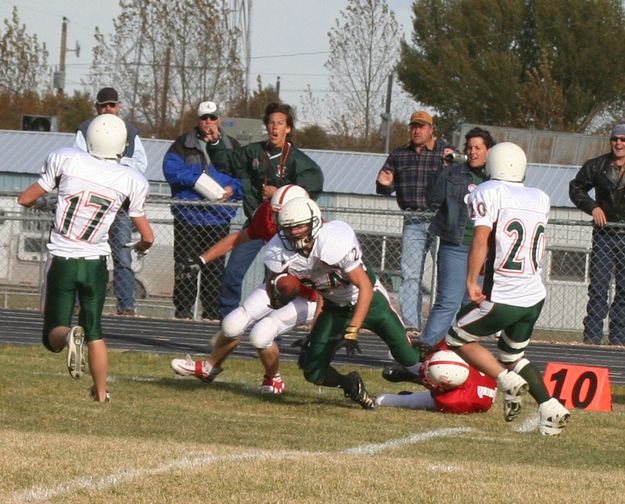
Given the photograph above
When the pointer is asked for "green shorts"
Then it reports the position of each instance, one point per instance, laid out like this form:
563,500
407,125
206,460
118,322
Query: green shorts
65,278
516,324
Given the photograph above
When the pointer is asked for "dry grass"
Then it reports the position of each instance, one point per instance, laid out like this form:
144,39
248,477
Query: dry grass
168,439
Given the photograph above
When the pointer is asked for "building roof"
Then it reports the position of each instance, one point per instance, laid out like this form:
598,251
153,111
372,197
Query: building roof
344,172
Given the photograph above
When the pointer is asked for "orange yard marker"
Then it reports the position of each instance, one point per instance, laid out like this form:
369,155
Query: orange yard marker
583,387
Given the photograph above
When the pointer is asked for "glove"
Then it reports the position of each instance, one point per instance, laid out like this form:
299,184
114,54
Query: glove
133,245
194,263
350,341
47,202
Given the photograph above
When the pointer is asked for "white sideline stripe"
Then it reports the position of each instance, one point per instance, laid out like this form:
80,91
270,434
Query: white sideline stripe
125,475
370,449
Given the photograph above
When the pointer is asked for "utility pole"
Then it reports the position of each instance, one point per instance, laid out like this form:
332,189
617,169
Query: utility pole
386,116
278,87
59,75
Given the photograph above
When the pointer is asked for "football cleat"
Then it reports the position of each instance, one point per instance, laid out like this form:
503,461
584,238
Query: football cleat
513,386
511,407
94,396
357,391
76,358
200,369
397,373
272,385
553,417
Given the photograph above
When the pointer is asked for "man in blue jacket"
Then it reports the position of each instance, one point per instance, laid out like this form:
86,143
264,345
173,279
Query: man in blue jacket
191,176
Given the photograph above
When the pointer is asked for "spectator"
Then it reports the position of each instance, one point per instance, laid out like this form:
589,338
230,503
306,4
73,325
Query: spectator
120,233
407,172
508,243
454,230
262,167
78,246
606,175
192,177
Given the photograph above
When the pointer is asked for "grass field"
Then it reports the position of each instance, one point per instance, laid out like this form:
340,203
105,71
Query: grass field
166,439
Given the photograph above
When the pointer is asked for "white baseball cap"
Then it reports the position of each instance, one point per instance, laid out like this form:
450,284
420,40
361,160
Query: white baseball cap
207,108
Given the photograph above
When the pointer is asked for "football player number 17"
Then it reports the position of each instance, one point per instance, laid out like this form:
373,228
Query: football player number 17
582,387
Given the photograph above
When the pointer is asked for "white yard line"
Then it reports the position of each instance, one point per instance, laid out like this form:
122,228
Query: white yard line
104,483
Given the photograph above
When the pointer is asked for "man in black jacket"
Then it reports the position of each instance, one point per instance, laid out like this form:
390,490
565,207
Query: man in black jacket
606,175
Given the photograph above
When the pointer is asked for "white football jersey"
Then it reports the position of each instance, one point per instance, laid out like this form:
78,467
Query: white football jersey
518,216
336,251
91,191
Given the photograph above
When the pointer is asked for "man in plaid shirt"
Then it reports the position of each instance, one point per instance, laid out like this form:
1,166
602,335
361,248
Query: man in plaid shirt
407,172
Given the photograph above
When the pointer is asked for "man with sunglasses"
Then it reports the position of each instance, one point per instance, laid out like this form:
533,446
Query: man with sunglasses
606,175
191,175
120,233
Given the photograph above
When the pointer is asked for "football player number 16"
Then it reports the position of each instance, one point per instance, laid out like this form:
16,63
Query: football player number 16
582,387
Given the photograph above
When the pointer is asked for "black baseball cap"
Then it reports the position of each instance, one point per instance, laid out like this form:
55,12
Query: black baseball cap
107,95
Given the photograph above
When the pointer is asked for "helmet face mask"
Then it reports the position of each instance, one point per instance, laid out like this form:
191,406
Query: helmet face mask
506,161
299,221
106,137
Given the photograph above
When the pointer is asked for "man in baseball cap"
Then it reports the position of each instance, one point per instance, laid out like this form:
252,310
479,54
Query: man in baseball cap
107,95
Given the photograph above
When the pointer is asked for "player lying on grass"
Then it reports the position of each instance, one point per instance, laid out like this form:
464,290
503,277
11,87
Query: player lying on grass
508,243
328,256
454,386
268,319
91,189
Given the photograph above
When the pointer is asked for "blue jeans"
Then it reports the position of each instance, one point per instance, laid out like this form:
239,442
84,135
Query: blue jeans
451,290
607,257
239,262
120,233
415,243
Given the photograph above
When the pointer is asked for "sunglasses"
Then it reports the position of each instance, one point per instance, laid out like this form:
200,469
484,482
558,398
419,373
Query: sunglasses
617,139
212,117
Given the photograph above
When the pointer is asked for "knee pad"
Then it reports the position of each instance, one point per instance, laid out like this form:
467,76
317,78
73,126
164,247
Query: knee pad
234,324
263,333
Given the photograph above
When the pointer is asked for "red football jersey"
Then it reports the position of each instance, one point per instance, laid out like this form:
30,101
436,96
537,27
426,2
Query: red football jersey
475,395
262,226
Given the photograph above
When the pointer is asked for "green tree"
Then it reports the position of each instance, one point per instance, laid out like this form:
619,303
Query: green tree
23,60
255,104
363,53
543,63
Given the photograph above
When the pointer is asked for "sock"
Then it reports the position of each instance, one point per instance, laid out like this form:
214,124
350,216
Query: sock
335,379
534,379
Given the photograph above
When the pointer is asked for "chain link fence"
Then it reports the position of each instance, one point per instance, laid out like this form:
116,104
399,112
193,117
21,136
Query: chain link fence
24,234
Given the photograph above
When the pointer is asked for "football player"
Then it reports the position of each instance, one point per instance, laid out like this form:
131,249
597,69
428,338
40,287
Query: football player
267,319
92,186
328,256
509,242
475,395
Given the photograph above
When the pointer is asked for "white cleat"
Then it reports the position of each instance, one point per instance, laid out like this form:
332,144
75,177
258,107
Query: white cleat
553,417
199,368
76,358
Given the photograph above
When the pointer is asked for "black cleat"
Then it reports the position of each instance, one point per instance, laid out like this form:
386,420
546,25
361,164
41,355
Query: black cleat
358,393
397,373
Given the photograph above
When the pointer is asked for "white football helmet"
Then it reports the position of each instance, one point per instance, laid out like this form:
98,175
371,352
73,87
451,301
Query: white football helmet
106,137
446,369
296,213
506,161
285,194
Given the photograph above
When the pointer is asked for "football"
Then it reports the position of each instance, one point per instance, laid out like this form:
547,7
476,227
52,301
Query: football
288,285
447,369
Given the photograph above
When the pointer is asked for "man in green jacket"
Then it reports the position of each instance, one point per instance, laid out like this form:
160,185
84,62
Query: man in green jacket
263,167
